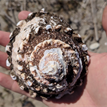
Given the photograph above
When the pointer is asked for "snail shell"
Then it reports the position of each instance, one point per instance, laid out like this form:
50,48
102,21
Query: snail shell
46,57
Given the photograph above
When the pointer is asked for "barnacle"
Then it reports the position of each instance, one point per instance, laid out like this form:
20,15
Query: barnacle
46,57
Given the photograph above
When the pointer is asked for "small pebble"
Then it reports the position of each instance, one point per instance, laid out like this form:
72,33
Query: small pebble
94,46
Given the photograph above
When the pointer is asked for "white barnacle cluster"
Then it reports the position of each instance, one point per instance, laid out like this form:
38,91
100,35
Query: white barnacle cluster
68,29
20,23
7,49
44,57
8,63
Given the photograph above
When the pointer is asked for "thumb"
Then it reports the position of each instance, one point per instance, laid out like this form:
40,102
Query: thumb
104,19
23,15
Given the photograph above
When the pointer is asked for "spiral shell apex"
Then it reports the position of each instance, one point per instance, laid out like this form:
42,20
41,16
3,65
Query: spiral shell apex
46,57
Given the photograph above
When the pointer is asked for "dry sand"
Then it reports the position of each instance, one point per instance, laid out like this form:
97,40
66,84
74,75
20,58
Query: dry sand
81,19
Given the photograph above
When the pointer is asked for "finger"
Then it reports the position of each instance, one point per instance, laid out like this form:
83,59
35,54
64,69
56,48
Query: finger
4,38
104,19
3,58
7,82
91,53
23,15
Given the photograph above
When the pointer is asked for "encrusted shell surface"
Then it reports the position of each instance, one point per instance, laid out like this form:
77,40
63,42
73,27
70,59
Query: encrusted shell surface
46,57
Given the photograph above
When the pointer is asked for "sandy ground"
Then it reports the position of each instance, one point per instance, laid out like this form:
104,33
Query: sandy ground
80,19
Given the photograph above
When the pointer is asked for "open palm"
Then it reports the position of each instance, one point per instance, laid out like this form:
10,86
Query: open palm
93,93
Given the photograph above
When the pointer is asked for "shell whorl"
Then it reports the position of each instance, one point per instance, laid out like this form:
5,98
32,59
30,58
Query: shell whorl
46,57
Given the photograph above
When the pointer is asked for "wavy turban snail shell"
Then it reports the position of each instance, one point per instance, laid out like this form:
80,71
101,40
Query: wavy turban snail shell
46,57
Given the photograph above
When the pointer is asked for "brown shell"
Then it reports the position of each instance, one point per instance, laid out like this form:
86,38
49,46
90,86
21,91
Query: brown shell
46,57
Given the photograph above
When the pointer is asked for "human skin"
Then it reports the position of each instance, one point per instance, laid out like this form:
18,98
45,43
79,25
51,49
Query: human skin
93,93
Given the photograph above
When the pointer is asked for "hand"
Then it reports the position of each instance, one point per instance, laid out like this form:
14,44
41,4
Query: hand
93,93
